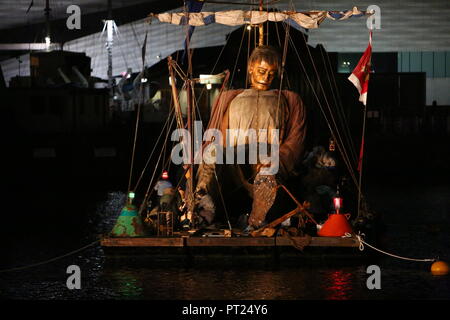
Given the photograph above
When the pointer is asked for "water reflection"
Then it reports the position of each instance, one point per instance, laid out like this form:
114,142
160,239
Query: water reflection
337,285
128,284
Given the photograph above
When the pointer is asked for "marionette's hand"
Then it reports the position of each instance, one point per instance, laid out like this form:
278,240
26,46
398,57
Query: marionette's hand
260,166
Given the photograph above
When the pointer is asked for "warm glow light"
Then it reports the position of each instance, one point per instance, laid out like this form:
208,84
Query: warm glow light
249,27
210,78
337,204
144,80
208,86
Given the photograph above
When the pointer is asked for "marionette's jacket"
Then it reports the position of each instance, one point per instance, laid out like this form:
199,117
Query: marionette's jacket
292,137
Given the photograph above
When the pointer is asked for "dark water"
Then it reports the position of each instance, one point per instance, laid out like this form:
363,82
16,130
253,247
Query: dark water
50,217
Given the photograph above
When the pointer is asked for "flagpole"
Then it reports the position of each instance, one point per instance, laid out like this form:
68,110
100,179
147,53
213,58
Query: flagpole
361,155
361,160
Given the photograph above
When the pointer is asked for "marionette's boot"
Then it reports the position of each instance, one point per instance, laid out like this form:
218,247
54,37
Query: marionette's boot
264,194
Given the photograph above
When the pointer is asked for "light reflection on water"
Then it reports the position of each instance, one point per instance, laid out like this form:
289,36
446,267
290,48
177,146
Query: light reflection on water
338,285
232,284
128,284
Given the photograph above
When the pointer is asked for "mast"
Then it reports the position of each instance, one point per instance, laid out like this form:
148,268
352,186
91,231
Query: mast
190,120
176,102
261,26
180,124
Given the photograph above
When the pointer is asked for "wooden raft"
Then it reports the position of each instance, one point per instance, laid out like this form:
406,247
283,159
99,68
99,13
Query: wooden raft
225,242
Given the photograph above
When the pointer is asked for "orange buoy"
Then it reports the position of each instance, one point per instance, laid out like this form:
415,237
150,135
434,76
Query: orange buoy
439,268
336,226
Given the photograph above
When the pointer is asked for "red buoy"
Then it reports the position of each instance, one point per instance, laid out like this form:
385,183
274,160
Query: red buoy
336,226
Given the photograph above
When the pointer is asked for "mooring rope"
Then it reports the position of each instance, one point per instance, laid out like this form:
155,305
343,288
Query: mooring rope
50,260
359,237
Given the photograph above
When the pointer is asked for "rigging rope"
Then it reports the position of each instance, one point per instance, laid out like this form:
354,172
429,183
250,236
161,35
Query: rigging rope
50,260
340,142
267,32
154,148
248,57
170,119
350,169
212,72
175,98
223,201
279,43
283,63
339,107
149,193
237,59
135,137
343,152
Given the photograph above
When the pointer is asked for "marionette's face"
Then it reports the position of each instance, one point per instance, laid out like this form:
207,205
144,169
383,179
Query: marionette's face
262,74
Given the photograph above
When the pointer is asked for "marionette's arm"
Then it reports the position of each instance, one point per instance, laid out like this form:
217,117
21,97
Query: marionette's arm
218,120
292,147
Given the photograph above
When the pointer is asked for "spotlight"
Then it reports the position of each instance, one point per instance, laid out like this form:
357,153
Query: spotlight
47,42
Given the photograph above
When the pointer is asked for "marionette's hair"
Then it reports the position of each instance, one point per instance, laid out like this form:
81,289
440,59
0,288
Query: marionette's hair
269,54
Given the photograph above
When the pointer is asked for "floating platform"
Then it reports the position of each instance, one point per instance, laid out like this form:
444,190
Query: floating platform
232,251
188,242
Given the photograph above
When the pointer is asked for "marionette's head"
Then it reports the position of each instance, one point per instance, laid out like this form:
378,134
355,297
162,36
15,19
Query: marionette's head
263,66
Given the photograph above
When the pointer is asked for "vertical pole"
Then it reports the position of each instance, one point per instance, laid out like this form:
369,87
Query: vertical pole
190,117
261,26
360,167
47,24
361,155
176,102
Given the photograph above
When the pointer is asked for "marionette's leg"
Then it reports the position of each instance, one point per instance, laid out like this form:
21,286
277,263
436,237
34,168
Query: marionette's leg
235,194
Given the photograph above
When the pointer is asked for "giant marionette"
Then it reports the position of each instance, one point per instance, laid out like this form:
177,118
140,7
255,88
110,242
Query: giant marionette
268,124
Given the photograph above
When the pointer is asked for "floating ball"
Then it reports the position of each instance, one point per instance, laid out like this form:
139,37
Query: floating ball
439,268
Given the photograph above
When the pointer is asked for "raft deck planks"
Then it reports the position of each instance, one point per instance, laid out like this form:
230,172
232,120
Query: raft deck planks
225,242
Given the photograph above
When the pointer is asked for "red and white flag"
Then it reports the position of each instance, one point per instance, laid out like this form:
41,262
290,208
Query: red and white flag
360,75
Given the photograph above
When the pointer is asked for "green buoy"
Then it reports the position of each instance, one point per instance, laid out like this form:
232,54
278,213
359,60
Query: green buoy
129,223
